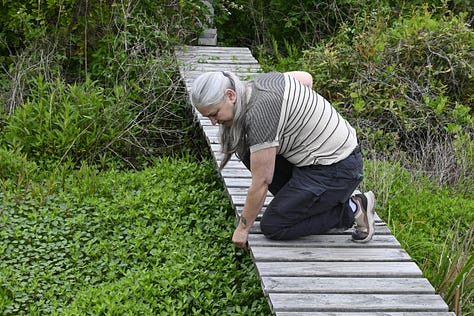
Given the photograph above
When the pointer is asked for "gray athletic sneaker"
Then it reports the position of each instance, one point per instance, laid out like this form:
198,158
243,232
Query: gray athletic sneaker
364,218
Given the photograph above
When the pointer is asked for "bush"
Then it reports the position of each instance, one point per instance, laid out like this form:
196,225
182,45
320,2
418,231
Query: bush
305,23
302,23
137,107
407,87
67,122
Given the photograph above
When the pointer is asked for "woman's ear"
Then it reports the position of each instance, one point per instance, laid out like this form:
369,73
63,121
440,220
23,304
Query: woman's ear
231,95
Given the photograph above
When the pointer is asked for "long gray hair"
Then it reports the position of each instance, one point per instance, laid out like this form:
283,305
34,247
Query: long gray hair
208,90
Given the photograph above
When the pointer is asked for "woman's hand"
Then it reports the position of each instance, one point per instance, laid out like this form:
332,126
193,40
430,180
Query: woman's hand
240,238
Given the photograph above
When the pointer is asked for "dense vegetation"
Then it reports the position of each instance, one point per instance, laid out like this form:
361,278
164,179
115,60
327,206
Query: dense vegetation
93,221
124,243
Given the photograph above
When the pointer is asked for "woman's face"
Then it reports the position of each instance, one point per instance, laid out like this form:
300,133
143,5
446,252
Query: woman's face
222,113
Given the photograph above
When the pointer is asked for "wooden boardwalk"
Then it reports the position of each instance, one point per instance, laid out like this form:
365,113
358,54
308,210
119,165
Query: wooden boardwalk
321,274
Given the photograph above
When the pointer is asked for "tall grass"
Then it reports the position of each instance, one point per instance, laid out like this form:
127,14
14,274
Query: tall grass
456,264
433,223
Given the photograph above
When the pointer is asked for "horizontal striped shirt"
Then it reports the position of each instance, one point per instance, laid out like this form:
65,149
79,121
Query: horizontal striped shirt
305,127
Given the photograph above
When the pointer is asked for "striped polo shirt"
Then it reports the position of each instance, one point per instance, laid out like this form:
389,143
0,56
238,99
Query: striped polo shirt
305,127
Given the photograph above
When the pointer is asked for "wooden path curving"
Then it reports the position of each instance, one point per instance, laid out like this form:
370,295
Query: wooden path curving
321,274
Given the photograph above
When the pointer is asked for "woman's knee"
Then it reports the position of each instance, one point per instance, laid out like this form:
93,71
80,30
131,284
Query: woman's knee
271,231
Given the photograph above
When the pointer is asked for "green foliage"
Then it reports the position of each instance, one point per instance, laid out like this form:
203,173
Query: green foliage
433,223
15,166
80,25
305,23
302,23
406,84
103,83
415,79
67,122
151,242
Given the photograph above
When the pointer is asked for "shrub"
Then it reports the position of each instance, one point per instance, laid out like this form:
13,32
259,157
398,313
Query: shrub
302,23
138,104
407,87
67,122
14,165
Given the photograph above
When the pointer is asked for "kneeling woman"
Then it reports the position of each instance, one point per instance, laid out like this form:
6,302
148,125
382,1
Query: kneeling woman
297,146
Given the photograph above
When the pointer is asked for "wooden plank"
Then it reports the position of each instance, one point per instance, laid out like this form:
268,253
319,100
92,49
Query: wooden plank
245,71
238,182
380,229
210,129
333,285
332,241
240,200
357,302
237,191
237,68
326,254
234,163
214,49
339,269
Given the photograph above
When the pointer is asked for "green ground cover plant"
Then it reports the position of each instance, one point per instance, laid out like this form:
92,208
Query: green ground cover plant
152,242
91,224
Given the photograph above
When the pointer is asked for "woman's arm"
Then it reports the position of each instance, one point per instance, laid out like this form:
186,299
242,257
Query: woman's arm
262,164
303,77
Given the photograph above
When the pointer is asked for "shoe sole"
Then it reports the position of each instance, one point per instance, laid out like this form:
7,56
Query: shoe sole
370,217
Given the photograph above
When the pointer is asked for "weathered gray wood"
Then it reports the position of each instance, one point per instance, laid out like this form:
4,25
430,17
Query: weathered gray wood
325,254
381,229
332,241
240,200
237,191
198,50
236,173
347,285
357,302
238,182
234,163
339,269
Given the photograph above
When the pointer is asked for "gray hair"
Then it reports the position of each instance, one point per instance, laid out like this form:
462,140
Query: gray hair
208,90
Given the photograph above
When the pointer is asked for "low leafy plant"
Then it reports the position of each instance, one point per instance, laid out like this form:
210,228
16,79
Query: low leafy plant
150,242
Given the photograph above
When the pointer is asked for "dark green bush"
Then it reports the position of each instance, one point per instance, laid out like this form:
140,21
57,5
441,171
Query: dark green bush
305,23
79,26
122,55
302,23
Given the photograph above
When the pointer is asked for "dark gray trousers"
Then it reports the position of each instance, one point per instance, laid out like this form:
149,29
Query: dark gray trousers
310,200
